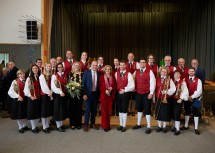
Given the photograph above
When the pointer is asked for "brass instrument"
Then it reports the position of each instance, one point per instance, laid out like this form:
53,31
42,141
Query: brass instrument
16,88
31,88
166,87
178,91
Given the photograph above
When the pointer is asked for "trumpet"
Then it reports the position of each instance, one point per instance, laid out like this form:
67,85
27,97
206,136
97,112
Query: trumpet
178,91
16,88
165,88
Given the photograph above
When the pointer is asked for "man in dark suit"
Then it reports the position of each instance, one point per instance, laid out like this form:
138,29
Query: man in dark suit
91,95
200,73
9,79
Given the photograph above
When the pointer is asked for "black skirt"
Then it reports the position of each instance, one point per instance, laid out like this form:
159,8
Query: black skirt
46,106
163,111
176,110
60,108
34,109
19,109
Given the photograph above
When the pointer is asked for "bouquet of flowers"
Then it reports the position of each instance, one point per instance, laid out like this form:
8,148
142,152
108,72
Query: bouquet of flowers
74,89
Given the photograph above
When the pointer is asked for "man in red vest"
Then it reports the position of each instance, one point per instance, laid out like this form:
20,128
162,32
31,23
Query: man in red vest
167,63
131,67
182,68
145,86
101,64
125,84
67,64
194,85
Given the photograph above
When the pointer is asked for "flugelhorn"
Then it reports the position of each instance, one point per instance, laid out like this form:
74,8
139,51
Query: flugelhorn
165,88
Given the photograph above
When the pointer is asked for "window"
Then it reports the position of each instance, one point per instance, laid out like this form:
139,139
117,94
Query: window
4,57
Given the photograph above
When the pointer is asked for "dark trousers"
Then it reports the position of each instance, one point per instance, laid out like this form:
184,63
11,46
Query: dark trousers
123,101
188,106
142,102
75,111
91,109
115,108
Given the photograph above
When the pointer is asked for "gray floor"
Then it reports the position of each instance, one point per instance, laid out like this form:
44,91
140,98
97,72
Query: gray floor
78,141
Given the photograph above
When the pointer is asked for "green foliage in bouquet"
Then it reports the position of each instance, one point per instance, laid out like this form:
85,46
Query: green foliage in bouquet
74,89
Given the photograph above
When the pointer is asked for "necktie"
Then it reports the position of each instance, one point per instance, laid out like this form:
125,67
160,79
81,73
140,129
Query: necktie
121,74
152,65
182,69
162,79
70,61
100,66
191,80
94,82
53,70
130,63
141,71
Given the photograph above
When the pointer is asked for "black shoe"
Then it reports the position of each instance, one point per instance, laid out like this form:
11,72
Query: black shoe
184,128
93,126
197,132
164,130
72,127
64,127
123,129
61,129
109,128
52,122
119,128
26,128
46,131
78,127
106,130
159,129
148,130
136,127
177,132
21,131
35,130
173,129
50,129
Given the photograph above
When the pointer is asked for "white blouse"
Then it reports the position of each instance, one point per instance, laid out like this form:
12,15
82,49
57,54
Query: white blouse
53,86
43,84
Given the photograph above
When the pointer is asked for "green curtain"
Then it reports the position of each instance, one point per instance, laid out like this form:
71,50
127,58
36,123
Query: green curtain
115,28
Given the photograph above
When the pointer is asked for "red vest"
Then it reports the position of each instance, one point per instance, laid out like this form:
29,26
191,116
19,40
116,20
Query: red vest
132,68
159,88
67,67
37,89
48,81
154,69
183,74
62,81
83,67
100,69
192,86
122,82
171,71
142,81
21,87
114,70
178,85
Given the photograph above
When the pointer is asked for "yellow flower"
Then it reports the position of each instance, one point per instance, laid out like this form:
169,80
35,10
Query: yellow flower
73,88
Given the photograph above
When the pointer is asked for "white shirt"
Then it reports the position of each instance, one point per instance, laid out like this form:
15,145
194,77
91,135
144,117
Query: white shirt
26,88
11,91
53,86
43,84
198,92
152,80
172,88
130,86
92,72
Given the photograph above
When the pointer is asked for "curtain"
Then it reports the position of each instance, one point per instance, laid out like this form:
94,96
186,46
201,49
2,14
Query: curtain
115,28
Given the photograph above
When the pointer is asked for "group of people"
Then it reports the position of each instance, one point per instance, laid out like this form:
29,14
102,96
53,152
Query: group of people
127,85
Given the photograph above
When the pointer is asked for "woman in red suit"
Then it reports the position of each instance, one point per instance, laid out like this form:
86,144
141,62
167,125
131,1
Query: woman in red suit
107,94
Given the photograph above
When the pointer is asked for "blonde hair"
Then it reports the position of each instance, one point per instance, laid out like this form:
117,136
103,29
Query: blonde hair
19,72
104,68
45,72
73,67
165,68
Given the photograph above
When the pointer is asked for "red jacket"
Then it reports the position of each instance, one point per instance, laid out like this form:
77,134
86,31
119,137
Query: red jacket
102,88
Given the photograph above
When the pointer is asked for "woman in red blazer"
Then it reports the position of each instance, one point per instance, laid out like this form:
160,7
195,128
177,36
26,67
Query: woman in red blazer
107,94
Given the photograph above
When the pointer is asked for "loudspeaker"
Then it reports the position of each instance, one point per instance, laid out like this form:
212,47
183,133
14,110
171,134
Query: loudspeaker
31,30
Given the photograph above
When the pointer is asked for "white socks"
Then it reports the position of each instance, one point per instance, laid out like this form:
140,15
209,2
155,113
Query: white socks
45,122
148,120
20,124
124,119
196,122
120,119
159,124
59,123
139,118
177,125
186,120
33,124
